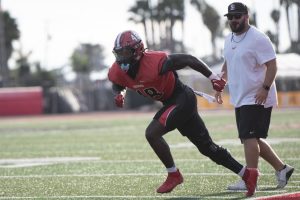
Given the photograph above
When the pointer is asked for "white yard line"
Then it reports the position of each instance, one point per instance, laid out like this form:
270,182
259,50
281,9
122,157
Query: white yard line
236,142
139,197
123,174
29,162
121,197
177,160
46,159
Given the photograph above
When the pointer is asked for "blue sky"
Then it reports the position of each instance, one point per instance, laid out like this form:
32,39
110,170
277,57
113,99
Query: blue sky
71,22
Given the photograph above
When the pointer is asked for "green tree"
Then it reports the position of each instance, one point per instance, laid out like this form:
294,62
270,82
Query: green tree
31,74
85,59
8,33
88,57
12,33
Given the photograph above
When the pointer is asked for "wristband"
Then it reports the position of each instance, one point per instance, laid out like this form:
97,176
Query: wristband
214,76
266,87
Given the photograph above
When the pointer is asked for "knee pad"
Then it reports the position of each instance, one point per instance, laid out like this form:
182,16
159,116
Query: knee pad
215,152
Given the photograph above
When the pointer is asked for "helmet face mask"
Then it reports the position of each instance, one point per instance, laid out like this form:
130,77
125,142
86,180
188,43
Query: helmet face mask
123,54
124,57
128,49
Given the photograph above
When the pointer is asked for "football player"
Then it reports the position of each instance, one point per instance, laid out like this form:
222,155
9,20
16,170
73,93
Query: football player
153,74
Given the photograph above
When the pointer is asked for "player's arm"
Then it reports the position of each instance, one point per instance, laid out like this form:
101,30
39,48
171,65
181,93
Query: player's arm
180,61
119,92
118,89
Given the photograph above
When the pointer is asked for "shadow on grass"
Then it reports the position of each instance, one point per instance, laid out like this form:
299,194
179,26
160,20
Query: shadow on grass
268,189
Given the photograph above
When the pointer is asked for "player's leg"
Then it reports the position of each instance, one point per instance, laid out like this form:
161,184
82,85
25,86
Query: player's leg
154,136
197,133
195,130
173,114
160,125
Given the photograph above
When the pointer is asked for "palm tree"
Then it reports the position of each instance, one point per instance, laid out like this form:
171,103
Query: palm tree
211,19
287,4
162,18
141,13
168,13
296,44
275,14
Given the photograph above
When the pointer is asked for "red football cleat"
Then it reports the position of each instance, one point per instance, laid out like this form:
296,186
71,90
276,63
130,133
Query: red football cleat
250,177
173,179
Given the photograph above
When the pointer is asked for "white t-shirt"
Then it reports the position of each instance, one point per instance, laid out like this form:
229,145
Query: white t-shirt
246,70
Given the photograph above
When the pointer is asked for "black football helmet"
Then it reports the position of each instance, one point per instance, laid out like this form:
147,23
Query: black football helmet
128,49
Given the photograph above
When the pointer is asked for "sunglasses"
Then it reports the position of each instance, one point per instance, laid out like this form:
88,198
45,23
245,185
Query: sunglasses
235,16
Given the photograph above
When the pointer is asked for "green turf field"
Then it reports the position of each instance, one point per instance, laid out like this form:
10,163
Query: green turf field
106,156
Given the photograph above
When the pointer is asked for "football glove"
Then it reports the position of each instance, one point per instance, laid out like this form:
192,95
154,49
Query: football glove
119,100
218,85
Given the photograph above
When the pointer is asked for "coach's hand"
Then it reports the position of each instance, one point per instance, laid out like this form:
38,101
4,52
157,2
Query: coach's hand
119,100
218,84
261,96
218,97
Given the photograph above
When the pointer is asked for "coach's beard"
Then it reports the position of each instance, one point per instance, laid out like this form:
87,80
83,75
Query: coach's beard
237,28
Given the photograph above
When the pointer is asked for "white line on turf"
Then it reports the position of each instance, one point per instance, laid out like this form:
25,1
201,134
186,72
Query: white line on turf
236,142
177,160
135,197
123,174
257,191
121,197
29,162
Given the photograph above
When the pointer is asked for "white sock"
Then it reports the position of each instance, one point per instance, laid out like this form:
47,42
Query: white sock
172,169
241,173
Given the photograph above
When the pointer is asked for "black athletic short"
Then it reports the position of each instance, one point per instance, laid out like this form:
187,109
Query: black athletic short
253,121
180,111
